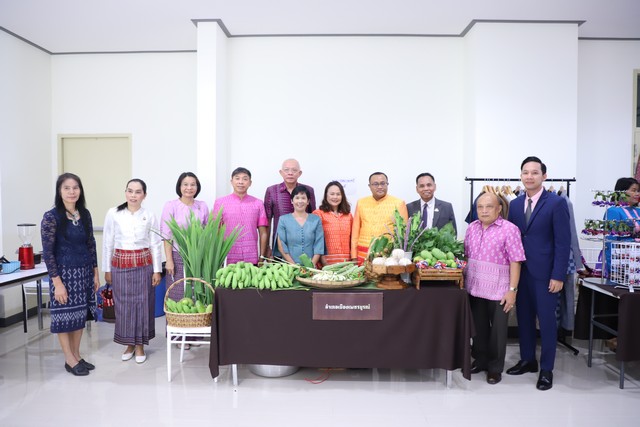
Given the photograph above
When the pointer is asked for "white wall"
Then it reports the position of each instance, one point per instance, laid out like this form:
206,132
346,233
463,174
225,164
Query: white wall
605,118
150,96
25,131
346,107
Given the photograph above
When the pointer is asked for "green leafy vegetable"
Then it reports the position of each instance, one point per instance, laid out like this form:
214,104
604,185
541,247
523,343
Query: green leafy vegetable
203,250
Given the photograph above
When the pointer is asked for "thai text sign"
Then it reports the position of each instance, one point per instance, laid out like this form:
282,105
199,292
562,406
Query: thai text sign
347,305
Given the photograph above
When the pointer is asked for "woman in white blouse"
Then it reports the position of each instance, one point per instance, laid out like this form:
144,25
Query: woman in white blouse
132,262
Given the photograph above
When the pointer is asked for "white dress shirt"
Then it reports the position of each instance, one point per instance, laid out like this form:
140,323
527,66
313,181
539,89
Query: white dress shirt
129,231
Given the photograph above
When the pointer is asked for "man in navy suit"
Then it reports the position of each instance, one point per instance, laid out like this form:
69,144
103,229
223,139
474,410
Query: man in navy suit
543,219
439,212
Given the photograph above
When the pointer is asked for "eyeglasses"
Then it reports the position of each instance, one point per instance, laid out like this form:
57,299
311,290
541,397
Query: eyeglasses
379,184
290,170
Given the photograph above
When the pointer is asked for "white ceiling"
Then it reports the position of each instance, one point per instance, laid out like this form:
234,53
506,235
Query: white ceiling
62,26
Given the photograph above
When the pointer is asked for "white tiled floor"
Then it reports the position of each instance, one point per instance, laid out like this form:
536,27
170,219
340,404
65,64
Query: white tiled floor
36,390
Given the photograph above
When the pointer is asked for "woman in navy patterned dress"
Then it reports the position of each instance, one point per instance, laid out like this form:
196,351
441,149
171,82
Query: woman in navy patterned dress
69,251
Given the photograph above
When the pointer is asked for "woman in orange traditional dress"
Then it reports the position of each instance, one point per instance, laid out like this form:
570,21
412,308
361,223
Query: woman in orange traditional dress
335,213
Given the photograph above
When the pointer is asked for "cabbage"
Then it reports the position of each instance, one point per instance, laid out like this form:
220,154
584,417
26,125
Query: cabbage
397,254
378,261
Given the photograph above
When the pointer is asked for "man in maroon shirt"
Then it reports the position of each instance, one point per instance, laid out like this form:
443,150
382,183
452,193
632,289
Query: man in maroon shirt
277,199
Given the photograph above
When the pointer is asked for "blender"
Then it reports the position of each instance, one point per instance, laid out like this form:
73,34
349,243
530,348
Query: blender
25,252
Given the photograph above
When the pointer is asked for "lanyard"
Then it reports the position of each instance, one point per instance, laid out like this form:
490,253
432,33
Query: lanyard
636,226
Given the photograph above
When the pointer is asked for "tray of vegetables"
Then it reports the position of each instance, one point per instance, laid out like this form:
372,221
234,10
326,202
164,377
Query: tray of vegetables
335,276
396,263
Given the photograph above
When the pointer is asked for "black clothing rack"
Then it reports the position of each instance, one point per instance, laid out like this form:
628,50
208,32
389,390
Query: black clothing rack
568,181
472,180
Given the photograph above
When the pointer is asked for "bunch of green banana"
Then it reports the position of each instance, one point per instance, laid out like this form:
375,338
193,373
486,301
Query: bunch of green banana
245,275
187,306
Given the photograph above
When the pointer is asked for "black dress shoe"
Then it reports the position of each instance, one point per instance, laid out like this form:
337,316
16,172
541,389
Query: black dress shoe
89,366
522,367
79,370
475,369
494,377
545,380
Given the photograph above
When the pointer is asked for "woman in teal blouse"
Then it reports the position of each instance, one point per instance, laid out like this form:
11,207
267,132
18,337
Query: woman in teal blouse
300,232
630,214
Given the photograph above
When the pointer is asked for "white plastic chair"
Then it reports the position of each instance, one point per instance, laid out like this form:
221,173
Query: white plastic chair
185,336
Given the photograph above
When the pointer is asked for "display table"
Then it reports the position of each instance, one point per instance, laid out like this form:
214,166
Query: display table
20,277
421,329
626,309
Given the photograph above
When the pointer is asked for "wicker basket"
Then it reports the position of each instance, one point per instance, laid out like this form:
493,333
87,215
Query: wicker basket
183,320
369,274
328,284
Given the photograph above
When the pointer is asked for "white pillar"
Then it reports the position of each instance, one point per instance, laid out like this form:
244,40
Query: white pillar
211,110
521,97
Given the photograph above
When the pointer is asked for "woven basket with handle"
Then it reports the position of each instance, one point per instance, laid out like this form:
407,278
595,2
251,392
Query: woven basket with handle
184,320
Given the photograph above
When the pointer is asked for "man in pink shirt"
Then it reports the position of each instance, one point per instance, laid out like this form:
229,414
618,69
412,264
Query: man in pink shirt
494,251
239,208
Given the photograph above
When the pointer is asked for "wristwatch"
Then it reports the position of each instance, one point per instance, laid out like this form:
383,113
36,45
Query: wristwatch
514,289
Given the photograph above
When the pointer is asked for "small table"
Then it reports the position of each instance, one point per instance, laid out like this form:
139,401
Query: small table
21,277
628,313
434,274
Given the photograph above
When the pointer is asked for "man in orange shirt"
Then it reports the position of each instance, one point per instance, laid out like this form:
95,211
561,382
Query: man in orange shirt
374,215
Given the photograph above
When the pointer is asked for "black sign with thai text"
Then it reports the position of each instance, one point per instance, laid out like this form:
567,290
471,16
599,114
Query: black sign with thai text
347,306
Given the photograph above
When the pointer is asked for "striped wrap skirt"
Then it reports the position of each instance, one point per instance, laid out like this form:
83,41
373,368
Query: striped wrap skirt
177,292
133,296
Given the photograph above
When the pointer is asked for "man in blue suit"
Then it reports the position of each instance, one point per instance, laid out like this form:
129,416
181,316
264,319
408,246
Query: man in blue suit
543,219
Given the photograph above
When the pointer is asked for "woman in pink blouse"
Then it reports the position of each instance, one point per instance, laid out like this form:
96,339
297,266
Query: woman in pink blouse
188,187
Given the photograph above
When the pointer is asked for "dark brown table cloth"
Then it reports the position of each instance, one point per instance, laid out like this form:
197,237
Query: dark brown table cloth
628,327
421,329
626,305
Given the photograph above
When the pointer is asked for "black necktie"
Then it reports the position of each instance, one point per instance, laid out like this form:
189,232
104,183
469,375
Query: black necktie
527,213
424,216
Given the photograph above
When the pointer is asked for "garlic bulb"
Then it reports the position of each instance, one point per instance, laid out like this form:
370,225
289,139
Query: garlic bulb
404,261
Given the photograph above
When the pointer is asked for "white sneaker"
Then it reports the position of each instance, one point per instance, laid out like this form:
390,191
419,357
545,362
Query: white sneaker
127,356
141,359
